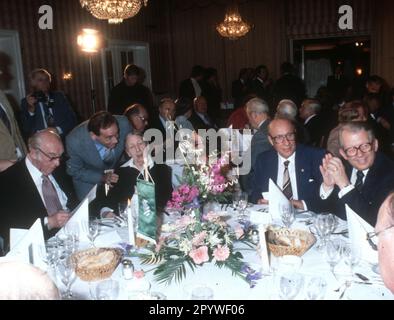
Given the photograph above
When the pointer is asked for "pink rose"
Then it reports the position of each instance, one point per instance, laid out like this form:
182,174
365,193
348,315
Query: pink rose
221,253
211,216
139,274
199,255
199,238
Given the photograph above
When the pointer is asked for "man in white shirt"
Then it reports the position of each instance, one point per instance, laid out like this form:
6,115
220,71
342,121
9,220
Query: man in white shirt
31,189
366,178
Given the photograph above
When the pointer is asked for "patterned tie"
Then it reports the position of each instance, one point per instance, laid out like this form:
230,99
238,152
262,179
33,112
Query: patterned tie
359,181
4,118
287,191
51,199
109,157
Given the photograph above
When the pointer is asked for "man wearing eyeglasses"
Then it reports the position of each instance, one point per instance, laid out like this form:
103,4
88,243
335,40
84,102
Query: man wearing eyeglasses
294,167
34,188
366,178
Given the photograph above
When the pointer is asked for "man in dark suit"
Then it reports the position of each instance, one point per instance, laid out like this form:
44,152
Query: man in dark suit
44,108
133,169
294,167
34,188
192,87
94,147
200,118
315,127
257,112
364,181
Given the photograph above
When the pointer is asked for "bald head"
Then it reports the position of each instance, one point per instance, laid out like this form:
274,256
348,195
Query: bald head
45,150
20,281
200,104
286,109
282,136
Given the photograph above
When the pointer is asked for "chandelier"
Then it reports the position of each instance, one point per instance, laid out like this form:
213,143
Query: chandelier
113,10
233,27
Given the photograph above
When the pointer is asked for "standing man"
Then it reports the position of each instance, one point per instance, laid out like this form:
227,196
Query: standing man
35,188
192,87
44,108
12,146
95,146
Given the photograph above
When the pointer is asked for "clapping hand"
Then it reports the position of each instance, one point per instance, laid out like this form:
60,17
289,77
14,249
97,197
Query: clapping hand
333,172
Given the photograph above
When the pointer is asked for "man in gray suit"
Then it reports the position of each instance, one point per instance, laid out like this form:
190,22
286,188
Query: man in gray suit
257,111
94,147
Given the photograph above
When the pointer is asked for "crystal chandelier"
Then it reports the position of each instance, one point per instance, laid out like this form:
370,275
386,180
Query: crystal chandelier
233,27
113,10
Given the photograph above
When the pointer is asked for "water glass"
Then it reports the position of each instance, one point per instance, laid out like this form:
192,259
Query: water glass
316,288
290,285
323,226
351,255
333,251
287,214
107,290
92,229
66,272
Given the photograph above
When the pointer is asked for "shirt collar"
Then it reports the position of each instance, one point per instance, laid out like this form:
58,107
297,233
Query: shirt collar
261,123
309,118
34,172
131,164
291,158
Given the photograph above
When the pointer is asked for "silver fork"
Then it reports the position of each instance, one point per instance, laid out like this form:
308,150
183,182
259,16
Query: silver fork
348,283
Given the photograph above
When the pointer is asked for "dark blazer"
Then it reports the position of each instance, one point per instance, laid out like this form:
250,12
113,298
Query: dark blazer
161,175
309,179
186,89
289,87
63,115
85,165
198,123
21,203
315,128
366,203
238,91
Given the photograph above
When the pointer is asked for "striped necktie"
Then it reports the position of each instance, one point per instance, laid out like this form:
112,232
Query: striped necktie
287,191
51,199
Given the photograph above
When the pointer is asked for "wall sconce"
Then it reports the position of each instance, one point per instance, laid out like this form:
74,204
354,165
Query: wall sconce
67,76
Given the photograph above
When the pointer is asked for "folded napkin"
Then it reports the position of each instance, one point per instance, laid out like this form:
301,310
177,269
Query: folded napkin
259,215
358,229
79,220
29,248
276,200
108,239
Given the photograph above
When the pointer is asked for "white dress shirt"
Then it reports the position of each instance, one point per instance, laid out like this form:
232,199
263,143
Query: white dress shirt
309,118
353,178
37,179
131,164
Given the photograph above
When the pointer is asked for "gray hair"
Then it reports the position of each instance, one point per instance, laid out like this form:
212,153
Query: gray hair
257,105
36,140
21,281
355,127
286,109
313,105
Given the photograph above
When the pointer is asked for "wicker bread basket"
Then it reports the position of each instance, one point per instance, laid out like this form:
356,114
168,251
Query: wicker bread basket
285,241
88,268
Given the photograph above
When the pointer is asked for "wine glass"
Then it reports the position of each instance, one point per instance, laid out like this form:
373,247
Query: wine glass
352,256
287,214
242,205
316,288
334,253
92,229
236,199
123,211
323,225
290,285
66,272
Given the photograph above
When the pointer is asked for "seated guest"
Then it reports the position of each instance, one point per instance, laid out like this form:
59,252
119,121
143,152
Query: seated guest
200,118
238,118
288,109
352,111
366,178
128,173
167,110
309,111
138,117
12,145
293,167
22,281
44,108
32,188
129,91
95,146
385,232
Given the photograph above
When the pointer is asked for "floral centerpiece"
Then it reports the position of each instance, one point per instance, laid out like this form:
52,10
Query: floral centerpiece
192,243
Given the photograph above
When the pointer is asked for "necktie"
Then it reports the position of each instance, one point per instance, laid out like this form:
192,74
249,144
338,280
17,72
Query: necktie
4,118
109,157
51,199
287,191
359,180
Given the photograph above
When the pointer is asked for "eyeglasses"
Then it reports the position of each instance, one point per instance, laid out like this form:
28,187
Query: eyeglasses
281,138
51,158
373,234
142,118
364,148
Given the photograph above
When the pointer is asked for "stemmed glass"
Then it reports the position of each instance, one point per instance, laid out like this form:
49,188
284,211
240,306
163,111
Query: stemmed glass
290,285
352,256
92,229
323,226
334,250
287,214
242,205
316,288
66,271
123,211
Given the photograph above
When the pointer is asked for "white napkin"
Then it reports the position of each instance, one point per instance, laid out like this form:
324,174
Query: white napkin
276,200
27,249
79,217
358,229
16,235
107,239
132,211
259,215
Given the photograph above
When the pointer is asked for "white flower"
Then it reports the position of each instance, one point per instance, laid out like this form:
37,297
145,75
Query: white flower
227,239
213,240
185,246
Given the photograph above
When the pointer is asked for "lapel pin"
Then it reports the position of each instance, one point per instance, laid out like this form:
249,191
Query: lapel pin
302,170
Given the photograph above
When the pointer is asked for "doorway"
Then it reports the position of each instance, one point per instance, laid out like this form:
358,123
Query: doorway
117,55
316,60
11,68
